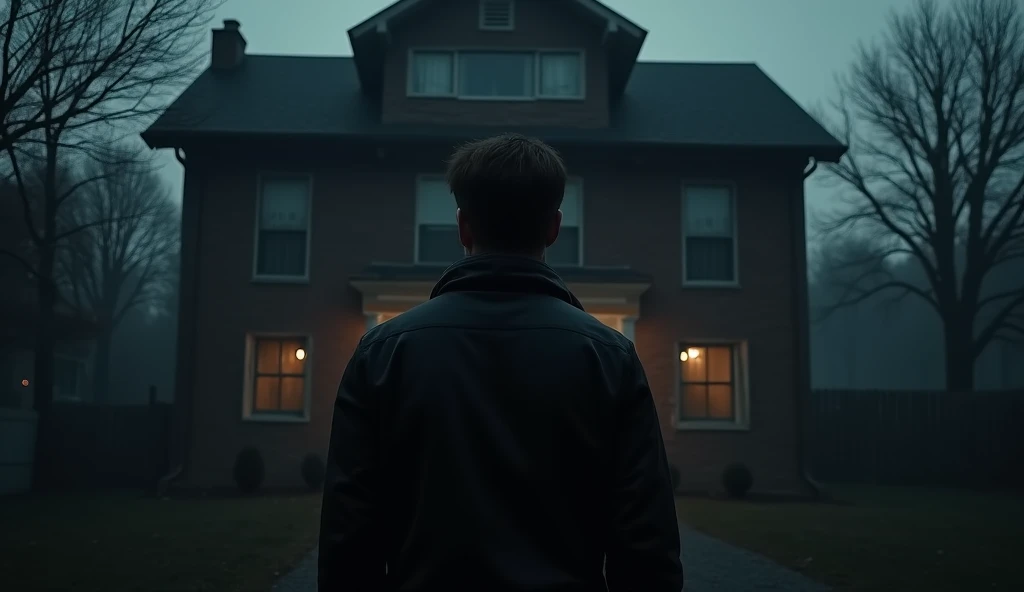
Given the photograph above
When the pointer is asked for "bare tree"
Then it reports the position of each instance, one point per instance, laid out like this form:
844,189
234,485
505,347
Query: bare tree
123,259
73,71
934,118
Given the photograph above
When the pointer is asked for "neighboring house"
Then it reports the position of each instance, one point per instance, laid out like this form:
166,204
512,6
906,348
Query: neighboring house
314,208
18,321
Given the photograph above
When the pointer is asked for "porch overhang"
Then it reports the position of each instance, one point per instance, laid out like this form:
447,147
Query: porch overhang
390,289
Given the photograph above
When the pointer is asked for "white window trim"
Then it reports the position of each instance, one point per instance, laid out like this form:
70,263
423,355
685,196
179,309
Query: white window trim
536,96
511,17
416,215
248,384
741,390
731,186
281,279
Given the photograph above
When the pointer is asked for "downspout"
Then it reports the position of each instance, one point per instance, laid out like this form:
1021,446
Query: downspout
803,333
185,356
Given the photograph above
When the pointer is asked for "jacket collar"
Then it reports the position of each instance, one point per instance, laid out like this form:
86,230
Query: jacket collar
503,273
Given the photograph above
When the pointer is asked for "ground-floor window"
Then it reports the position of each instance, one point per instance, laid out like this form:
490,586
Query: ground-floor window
277,384
712,385
67,374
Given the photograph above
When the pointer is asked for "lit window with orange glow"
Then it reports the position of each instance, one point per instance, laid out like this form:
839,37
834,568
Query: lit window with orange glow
707,382
279,375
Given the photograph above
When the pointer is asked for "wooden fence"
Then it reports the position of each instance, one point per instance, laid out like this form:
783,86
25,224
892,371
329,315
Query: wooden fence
17,444
100,446
917,438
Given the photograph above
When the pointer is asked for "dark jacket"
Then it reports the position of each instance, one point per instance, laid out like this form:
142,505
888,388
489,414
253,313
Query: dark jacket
497,437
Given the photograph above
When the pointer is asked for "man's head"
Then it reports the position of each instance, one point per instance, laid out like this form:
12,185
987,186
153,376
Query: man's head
508,189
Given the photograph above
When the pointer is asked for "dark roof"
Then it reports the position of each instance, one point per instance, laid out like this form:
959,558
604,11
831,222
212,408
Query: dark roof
412,272
665,103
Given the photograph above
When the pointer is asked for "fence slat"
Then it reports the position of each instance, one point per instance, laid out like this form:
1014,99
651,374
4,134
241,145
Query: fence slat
103,446
917,437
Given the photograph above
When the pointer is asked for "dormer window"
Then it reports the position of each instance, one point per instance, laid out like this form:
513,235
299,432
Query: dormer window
497,15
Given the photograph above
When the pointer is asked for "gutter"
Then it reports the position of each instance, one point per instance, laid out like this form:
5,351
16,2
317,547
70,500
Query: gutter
185,354
802,368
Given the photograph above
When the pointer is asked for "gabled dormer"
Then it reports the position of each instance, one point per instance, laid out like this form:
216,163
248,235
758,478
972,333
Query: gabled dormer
496,62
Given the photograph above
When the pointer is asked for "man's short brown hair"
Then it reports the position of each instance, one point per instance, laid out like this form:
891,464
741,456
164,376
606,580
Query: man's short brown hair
509,188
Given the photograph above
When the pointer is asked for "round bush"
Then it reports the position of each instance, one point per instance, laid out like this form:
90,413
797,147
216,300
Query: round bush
737,480
249,470
313,471
676,475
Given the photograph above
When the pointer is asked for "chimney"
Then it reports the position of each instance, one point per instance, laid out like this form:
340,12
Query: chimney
228,46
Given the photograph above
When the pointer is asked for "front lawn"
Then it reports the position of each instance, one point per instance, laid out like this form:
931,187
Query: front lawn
117,542
880,539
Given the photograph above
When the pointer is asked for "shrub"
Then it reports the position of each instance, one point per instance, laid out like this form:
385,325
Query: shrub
249,470
737,480
676,475
313,471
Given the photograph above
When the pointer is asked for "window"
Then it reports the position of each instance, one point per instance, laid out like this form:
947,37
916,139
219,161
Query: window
432,73
497,15
712,386
278,373
66,376
709,243
561,75
283,233
437,235
567,249
497,75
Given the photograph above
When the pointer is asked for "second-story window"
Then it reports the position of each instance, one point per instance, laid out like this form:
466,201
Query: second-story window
567,250
497,75
437,234
282,240
709,235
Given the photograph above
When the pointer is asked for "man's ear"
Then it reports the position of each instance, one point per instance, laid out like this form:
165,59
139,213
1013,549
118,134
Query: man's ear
552,232
465,234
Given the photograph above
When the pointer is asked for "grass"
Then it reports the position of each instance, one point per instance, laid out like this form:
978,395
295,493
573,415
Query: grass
880,539
116,542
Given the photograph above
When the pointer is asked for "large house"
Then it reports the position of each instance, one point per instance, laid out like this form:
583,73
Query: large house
313,209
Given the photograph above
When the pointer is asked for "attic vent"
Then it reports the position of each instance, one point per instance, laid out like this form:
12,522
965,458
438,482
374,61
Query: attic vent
497,15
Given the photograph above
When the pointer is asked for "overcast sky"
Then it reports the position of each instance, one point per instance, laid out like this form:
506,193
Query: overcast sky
801,44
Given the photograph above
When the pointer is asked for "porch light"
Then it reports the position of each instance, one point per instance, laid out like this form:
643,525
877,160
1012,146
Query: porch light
300,354
683,357
693,352
24,382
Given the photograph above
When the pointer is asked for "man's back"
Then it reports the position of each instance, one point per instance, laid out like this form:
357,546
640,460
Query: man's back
516,446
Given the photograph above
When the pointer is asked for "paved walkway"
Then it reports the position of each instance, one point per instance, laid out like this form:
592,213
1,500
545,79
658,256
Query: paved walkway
709,564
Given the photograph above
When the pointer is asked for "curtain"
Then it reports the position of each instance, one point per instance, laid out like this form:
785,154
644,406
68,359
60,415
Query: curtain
496,74
560,75
709,234
432,73
284,222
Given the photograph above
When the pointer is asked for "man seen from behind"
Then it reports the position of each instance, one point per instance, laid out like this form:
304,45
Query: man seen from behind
498,437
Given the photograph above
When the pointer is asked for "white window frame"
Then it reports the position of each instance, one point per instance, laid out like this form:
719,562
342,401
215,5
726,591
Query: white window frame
416,215
511,16
277,278
249,382
741,388
731,186
455,94
579,217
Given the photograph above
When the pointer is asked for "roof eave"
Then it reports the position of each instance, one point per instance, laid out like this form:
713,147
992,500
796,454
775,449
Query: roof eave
157,138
